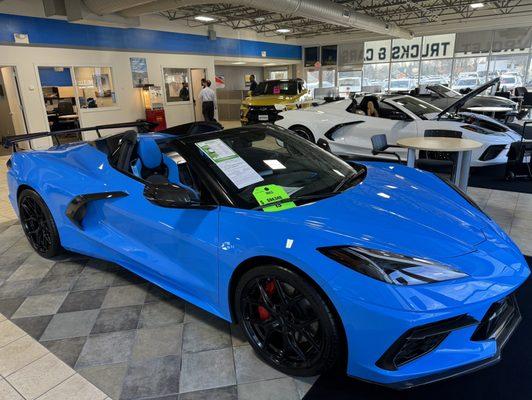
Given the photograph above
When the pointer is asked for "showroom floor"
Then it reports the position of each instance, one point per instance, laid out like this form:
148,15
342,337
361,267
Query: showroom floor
119,336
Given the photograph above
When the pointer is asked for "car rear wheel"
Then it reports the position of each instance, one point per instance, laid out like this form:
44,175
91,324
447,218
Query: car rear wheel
303,132
38,224
287,321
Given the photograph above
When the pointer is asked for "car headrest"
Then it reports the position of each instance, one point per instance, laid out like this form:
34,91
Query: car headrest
149,153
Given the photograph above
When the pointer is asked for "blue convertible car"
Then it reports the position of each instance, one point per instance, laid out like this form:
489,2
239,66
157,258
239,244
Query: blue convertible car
385,270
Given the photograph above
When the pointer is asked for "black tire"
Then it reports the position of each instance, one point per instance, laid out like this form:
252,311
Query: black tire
303,132
294,330
38,224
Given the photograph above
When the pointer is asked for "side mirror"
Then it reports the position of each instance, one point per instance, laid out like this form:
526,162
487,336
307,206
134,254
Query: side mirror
168,195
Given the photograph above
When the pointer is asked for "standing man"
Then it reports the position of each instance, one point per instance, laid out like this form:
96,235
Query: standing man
207,98
252,83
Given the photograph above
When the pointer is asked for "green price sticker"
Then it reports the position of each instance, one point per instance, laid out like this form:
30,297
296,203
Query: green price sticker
268,194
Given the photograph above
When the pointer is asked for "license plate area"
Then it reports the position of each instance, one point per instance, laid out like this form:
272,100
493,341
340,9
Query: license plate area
263,117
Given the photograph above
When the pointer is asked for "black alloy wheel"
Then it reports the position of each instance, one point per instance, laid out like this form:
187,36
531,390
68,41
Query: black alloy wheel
287,321
303,132
38,224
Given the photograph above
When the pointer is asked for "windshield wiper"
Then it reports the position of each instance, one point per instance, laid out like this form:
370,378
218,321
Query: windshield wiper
297,198
348,178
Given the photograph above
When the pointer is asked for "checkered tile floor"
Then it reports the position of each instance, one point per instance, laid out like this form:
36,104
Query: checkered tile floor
128,337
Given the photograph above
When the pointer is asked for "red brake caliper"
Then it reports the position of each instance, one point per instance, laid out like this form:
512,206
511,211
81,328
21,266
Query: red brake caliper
264,314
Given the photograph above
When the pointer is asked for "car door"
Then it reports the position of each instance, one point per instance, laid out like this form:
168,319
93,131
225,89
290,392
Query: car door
176,248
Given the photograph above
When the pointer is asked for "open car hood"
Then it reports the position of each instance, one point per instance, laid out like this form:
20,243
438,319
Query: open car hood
461,101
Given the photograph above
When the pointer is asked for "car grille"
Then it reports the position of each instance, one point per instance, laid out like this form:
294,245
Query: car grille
499,322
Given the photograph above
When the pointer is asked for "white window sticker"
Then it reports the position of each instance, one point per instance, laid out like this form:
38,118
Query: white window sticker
230,163
274,164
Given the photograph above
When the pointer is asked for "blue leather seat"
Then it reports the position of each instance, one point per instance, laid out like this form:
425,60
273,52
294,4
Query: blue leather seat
154,166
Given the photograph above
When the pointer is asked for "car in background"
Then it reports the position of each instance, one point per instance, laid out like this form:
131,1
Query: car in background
345,128
384,271
402,85
510,82
442,96
463,84
272,97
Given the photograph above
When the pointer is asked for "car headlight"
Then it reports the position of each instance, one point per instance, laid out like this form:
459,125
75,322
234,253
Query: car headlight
390,267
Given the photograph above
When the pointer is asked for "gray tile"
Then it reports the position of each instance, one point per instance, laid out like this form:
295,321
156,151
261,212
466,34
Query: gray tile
108,378
17,288
106,348
162,313
9,306
155,293
93,279
67,268
117,319
207,370
67,350
67,325
304,384
33,326
84,300
97,265
10,262
157,342
224,393
196,314
46,304
277,389
237,336
152,378
54,284
201,336
249,368
120,296
34,267
126,277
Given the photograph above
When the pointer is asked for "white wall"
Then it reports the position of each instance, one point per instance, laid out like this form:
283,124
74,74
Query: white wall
129,106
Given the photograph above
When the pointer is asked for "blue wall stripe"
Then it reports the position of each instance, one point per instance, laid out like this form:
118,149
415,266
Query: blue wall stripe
58,33
50,77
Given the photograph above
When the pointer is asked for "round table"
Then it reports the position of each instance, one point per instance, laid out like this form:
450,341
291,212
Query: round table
445,144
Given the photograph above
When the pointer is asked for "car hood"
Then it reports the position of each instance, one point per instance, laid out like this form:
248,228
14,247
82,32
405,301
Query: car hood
458,104
397,209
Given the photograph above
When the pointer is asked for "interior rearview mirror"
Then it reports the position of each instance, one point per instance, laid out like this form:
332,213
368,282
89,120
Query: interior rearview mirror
168,195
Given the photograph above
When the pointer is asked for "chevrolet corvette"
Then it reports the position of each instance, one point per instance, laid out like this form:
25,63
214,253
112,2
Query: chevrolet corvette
387,271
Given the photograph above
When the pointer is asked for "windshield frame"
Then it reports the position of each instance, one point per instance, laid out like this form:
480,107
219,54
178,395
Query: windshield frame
397,104
227,194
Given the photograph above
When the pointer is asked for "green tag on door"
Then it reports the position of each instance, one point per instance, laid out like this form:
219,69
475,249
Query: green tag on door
268,194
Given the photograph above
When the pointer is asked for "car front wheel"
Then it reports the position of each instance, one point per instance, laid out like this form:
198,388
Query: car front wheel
287,321
38,224
303,132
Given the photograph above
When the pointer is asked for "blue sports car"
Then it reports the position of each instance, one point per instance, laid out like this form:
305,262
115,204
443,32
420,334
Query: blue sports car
385,270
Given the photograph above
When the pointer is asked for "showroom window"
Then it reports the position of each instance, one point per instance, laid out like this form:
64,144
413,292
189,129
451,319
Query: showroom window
404,76
376,75
328,78
176,84
469,72
278,74
528,84
313,80
312,56
329,55
434,72
510,68
95,87
349,82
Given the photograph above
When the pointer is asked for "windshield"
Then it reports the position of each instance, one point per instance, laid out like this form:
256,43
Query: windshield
416,106
447,92
276,87
248,161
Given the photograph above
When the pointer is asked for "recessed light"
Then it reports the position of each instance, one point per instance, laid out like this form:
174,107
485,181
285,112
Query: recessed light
283,30
476,5
204,18
269,64
239,63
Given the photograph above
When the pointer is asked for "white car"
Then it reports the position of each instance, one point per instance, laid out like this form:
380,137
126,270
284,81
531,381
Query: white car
344,128
465,83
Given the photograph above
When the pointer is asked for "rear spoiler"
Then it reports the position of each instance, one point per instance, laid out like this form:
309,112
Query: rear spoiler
11,141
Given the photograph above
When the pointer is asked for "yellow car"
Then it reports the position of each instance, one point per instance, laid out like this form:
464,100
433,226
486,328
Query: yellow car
273,97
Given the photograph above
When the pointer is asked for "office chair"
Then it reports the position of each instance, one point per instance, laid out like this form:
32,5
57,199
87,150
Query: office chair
65,108
380,146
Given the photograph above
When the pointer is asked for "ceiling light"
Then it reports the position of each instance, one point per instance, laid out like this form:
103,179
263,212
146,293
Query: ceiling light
283,30
259,19
204,18
269,64
239,63
476,5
